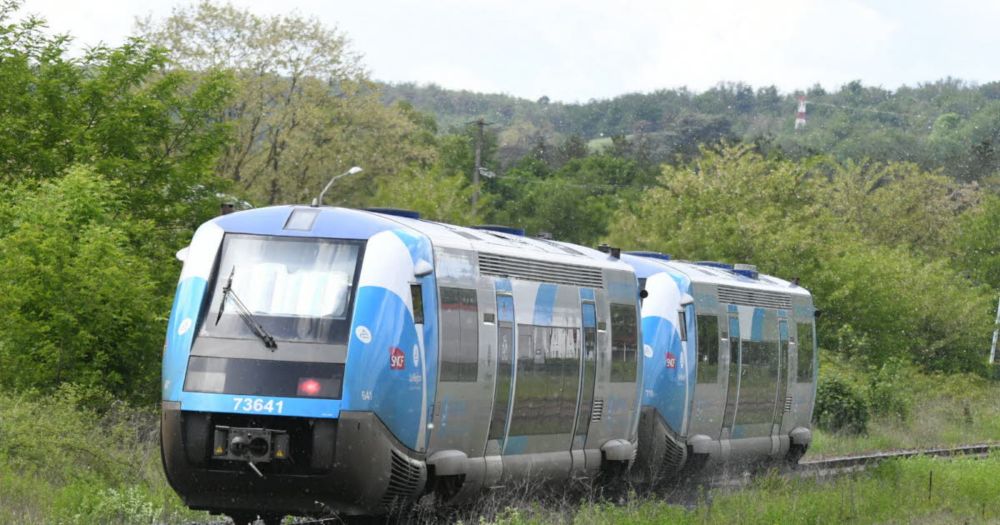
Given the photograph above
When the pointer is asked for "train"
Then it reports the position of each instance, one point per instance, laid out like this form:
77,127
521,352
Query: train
327,360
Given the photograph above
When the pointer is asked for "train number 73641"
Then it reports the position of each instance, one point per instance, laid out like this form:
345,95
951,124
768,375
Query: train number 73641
254,404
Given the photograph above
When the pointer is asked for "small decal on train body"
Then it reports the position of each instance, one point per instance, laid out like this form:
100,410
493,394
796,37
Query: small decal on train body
416,355
185,326
397,359
671,360
647,350
363,334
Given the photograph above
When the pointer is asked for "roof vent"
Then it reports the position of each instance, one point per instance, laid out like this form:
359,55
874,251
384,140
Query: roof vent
509,230
651,255
746,270
715,264
409,214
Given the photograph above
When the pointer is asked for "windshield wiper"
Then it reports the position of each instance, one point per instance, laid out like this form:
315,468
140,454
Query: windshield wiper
244,314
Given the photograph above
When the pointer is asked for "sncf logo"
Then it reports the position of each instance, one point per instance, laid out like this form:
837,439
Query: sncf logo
397,359
671,360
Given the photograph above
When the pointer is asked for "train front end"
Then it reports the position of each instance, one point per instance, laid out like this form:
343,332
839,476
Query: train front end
293,372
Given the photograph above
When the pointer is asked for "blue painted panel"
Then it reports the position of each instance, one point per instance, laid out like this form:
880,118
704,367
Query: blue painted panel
237,404
545,301
587,294
504,285
370,381
589,315
505,308
665,388
180,333
757,325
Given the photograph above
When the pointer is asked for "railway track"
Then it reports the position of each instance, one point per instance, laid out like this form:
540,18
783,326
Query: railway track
737,477
853,463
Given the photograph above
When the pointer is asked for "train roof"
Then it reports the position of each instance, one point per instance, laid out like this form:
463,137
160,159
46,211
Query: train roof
499,240
347,223
712,273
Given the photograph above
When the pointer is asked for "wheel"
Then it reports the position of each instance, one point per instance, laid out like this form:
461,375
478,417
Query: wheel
795,453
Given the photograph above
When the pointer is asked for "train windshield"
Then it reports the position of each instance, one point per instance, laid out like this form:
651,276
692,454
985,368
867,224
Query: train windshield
298,289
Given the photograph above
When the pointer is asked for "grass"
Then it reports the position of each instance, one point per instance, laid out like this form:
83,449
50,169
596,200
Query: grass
64,463
919,490
938,411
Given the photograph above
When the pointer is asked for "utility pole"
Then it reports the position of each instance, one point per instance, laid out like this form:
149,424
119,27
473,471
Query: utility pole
479,153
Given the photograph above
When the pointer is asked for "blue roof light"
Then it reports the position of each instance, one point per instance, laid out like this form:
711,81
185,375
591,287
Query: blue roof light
651,255
746,270
715,264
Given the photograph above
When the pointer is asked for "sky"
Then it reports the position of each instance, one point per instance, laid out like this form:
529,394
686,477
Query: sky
577,50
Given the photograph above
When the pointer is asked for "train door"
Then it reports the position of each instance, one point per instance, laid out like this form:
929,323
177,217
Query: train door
759,364
588,378
504,373
733,388
781,399
461,410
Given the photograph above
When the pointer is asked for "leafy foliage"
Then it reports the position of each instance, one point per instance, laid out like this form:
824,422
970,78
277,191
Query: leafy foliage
304,108
840,407
77,304
808,219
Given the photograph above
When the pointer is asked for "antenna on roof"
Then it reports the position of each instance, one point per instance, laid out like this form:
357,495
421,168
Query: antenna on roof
319,200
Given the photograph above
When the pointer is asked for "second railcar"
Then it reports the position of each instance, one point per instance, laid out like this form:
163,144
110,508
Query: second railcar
730,365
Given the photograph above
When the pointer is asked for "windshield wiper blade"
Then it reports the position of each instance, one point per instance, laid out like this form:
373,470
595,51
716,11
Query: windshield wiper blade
245,314
225,295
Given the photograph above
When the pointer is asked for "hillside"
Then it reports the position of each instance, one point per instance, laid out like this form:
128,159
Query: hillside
947,124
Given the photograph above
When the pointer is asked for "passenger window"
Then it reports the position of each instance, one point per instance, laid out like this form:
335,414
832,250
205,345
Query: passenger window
459,335
708,348
806,348
416,294
623,343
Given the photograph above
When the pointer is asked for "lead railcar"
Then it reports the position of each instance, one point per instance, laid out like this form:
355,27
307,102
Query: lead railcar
326,359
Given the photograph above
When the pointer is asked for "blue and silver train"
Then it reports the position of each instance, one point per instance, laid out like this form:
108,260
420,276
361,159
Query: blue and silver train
324,360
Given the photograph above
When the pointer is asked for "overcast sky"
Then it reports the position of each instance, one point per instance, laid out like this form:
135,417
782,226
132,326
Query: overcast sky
576,50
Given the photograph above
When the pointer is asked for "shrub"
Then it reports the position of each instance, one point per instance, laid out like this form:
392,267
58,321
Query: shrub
889,390
840,407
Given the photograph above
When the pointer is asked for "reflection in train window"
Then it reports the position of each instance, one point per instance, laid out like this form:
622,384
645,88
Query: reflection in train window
548,379
623,343
459,335
708,348
805,349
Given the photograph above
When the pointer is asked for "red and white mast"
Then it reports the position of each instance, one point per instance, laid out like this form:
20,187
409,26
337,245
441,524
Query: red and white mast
800,116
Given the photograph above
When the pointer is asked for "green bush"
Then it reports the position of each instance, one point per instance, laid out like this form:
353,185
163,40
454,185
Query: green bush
840,407
889,390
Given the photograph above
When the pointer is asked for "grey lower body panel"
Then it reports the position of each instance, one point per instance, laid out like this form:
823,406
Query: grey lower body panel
352,465
661,454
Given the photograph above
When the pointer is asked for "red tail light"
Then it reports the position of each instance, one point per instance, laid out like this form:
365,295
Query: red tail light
309,387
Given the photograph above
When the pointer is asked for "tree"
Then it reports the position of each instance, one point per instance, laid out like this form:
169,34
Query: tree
78,302
735,205
304,107
154,131
977,243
